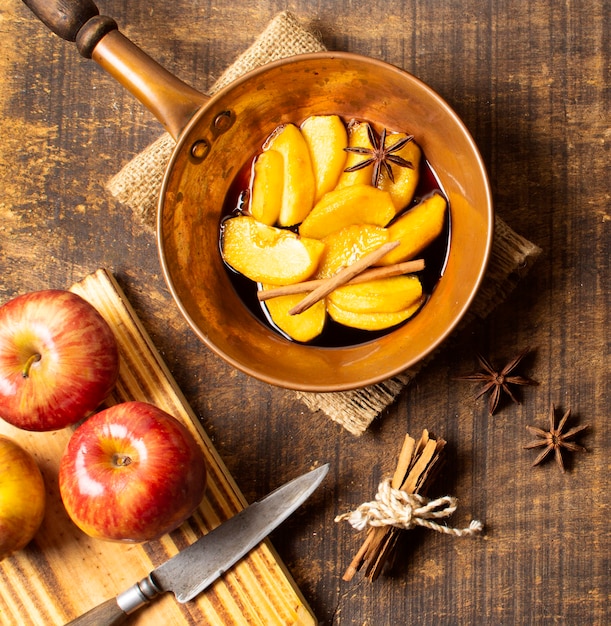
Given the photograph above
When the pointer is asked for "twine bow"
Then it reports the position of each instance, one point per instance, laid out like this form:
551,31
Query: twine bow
393,507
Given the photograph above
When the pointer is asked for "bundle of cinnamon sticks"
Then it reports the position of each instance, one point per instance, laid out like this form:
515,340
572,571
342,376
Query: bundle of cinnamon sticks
416,468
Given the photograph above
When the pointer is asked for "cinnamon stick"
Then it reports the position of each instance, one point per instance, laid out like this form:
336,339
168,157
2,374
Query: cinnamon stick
416,466
398,269
342,277
405,458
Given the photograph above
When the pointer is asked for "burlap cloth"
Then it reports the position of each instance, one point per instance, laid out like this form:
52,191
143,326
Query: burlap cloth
138,186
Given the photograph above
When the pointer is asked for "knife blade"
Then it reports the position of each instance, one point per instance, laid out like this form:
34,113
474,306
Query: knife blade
193,569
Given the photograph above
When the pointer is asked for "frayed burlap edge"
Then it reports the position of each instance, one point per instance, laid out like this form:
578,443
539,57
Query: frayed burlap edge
138,186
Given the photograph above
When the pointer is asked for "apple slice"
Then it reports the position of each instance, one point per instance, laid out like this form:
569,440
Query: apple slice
371,321
266,188
346,246
326,137
384,295
406,179
267,254
416,229
301,327
299,184
357,204
357,138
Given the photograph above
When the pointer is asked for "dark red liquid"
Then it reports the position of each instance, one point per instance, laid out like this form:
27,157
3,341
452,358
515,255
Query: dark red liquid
337,335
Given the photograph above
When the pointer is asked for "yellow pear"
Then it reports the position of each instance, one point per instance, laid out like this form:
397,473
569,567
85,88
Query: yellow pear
357,138
267,186
383,295
357,204
416,229
267,254
326,137
371,321
302,327
299,185
405,178
346,246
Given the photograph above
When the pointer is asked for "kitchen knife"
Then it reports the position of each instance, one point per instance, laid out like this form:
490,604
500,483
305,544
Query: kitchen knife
194,568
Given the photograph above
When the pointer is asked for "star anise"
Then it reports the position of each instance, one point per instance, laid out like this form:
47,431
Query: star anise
554,439
380,155
498,381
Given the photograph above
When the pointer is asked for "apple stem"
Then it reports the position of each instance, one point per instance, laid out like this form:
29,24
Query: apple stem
28,364
121,460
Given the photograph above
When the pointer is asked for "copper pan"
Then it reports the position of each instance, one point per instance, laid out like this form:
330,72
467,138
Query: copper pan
215,139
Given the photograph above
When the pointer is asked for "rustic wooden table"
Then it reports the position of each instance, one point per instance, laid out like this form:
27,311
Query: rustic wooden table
531,82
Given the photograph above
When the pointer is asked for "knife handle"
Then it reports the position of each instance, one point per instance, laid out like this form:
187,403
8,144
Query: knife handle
108,613
116,611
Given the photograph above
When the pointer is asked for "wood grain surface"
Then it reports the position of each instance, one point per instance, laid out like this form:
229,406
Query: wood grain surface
37,584
531,82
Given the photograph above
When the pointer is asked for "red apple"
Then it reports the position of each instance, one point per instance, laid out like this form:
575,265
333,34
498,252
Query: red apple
131,473
22,497
58,360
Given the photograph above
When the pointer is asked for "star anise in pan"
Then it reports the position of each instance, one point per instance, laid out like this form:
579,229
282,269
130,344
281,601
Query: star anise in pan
498,381
554,439
380,155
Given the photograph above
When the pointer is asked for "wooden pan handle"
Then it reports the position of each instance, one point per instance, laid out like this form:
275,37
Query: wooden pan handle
75,20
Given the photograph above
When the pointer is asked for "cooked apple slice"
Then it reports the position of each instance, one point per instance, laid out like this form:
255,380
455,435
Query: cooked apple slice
326,137
384,295
346,246
299,184
371,321
416,229
405,178
267,186
302,327
267,254
357,138
357,204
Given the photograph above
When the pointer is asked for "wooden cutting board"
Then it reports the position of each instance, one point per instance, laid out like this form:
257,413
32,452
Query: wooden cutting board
62,573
